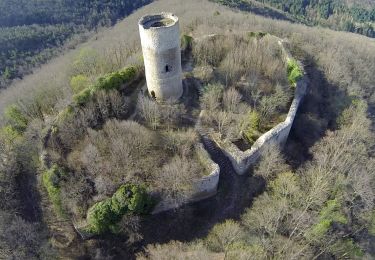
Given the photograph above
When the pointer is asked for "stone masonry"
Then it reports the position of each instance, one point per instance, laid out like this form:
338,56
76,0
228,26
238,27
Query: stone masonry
160,38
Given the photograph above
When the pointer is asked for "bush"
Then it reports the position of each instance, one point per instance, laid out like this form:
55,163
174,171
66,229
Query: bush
16,118
129,198
9,134
79,83
149,111
346,248
114,80
251,133
83,97
51,182
108,82
328,215
295,73
212,96
210,51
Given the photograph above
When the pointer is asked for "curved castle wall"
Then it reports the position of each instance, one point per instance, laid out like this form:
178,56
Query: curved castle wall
160,38
242,161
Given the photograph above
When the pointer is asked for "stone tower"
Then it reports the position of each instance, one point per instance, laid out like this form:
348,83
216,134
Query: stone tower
160,38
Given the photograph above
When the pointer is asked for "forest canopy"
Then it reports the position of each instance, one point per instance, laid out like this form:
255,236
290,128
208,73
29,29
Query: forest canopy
31,32
352,16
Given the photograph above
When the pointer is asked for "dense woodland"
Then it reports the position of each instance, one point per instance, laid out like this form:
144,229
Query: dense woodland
31,32
352,16
314,199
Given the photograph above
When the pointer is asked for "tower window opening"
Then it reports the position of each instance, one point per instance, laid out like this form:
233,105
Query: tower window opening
167,68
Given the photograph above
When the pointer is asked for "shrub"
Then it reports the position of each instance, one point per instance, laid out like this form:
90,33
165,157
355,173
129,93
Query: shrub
231,100
212,96
149,110
9,134
257,35
51,182
210,51
129,198
186,42
65,114
346,248
108,82
79,83
251,132
295,73
16,118
83,97
114,80
328,215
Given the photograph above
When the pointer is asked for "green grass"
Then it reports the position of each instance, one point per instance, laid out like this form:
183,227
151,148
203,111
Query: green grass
295,73
16,118
328,215
251,133
83,97
51,182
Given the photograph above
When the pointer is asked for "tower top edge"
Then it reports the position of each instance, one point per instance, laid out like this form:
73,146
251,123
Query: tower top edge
159,20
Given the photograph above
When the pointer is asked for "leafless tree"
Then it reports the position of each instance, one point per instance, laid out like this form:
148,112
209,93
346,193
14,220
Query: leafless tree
149,111
231,100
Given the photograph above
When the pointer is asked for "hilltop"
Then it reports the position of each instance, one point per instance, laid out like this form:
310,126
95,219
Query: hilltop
85,152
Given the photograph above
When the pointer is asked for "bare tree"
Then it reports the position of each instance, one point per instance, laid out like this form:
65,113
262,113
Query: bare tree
231,100
149,111
272,162
211,98
176,179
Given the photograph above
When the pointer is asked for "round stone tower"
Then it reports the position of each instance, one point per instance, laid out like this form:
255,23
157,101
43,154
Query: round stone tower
160,38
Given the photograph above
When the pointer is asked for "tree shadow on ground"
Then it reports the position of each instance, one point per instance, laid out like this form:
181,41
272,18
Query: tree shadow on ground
319,111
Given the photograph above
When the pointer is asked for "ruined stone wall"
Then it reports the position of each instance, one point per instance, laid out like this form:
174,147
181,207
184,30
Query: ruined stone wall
160,38
207,185
242,161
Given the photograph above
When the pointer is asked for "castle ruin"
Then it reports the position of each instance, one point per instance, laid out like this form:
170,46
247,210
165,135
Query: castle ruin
160,39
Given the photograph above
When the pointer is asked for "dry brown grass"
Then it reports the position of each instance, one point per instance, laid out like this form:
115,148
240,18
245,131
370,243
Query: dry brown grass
347,59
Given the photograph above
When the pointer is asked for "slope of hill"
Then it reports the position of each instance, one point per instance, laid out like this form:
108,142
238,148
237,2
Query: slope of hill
352,16
31,32
319,201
